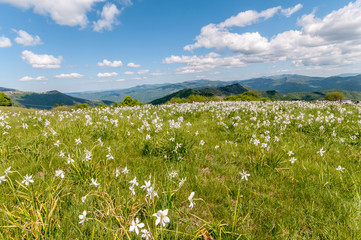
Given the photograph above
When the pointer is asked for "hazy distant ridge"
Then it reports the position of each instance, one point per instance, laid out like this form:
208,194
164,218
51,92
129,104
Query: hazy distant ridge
282,84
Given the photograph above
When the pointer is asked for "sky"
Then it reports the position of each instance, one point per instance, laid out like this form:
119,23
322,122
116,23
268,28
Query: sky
93,45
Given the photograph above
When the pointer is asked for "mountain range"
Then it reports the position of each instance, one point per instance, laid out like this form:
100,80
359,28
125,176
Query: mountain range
283,84
282,87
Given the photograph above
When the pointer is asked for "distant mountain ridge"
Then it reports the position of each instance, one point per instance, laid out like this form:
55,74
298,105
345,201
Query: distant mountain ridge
236,89
48,100
284,84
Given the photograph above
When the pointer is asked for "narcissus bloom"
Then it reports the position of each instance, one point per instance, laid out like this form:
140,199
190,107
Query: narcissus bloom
161,217
135,225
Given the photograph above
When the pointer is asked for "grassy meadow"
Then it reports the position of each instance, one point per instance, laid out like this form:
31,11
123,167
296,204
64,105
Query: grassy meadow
217,170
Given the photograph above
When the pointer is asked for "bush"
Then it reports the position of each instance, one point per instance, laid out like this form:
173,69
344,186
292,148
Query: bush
128,101
246,96
334,96
5,100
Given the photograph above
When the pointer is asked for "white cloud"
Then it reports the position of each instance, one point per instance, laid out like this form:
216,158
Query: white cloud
108,18
41,61
218,36
133,65
27,78
249,17
26,39
63,12
332,40
120,80
126,2
107,63
145,71
129,73
112,74
69,76
5,42
158,74
289,11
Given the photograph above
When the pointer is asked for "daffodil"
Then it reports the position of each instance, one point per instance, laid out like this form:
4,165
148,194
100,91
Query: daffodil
162,217
27,180
82,217
135,225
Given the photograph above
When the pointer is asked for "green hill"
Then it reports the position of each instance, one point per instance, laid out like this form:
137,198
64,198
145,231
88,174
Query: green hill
236,89
48,100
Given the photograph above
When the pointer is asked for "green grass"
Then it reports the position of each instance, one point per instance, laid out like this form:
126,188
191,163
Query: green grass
308,199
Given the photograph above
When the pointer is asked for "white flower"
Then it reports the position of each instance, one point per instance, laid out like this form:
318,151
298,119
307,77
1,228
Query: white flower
131,188
293,160
190,198
161,217
61,154
134,181
290,153
146,234
182,181
321,152
69,160
173,174
88,155
125,170
82,217
117,173
77,141
94,182
339,168
147,137
100,141
83,198
146,185
216,147
244,175
59,173
151,193
2,179
27,180
201,143
7,171
135,225
57,143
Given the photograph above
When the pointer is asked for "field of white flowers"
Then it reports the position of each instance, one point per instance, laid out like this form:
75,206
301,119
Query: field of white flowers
225,170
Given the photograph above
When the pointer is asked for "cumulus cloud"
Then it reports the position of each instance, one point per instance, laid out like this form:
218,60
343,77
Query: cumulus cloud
41,61
133,65
63,12
69,76
27,78
145,71
112,74
5,42
26,39
332,40
128,73
107,63
218,35
108,18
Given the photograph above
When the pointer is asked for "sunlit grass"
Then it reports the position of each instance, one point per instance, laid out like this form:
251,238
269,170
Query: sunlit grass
172,151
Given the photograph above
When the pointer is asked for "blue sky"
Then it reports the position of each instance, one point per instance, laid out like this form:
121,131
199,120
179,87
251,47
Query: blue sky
87,45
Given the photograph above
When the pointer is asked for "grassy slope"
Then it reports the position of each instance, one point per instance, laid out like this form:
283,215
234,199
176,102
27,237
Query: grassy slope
309,199
48,100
